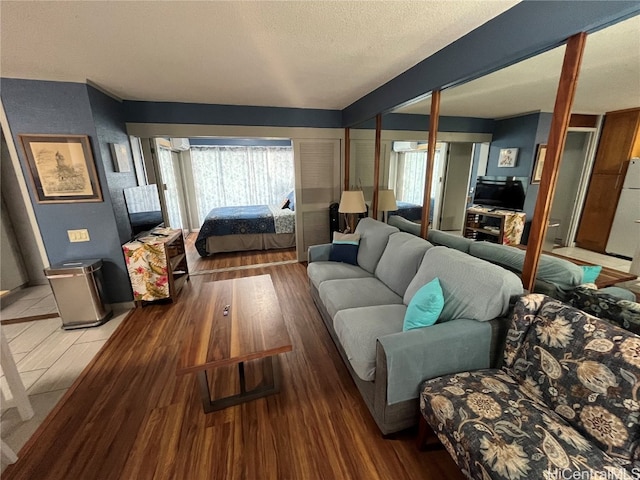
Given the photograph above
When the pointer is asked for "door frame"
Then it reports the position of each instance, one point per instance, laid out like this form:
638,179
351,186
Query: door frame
590,157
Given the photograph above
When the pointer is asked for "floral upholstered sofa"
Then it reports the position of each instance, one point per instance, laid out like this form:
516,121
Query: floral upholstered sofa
566,400
601,304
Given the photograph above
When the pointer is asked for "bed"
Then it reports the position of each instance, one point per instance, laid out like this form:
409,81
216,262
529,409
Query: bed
254,227
410,211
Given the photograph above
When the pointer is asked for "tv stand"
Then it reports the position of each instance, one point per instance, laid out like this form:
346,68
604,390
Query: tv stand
493,225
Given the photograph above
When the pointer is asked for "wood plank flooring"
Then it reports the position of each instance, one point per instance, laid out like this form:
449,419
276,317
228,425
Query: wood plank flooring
233,259
129,416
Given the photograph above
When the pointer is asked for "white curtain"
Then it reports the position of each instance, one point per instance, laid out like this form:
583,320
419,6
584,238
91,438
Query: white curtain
238,176
171,194
410,178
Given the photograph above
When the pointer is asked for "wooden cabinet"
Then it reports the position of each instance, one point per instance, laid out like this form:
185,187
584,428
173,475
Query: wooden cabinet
157,265
497,226
619,142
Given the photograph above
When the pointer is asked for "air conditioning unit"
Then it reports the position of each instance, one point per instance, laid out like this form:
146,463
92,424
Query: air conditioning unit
180,144
404,146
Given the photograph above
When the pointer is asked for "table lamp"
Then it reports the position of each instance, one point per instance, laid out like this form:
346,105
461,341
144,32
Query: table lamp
387,202
352,202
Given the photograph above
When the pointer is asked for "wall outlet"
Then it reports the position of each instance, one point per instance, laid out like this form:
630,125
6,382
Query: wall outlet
81,235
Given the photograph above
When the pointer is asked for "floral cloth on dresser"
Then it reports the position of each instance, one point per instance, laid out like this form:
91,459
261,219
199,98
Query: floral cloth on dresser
566,400
513,228
147,267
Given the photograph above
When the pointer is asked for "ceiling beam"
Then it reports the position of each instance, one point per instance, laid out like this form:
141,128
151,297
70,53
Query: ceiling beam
376,165
555,146
527,29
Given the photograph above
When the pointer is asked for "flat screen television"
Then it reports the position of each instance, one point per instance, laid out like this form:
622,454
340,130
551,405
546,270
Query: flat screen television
143,206
507,193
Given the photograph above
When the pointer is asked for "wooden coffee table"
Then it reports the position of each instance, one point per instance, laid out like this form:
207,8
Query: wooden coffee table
253,328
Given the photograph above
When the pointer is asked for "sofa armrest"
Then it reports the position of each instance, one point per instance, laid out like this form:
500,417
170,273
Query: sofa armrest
411,357
319,253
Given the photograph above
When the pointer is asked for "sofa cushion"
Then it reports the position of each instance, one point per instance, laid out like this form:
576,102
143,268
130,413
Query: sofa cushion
620,312
400,260
472,288
358,330
425,306
341,294
558,271
493,428
450,240
404,225
584,368
374,236
318,272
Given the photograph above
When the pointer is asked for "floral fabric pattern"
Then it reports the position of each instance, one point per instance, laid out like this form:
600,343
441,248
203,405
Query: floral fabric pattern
566,398
147,267
623,313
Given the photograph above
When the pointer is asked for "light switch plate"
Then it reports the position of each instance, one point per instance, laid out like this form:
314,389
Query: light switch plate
81,235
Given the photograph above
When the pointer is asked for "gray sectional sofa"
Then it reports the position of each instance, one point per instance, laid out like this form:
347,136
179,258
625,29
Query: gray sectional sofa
363,307
556,277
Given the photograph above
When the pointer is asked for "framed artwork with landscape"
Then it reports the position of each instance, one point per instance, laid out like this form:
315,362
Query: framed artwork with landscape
61,168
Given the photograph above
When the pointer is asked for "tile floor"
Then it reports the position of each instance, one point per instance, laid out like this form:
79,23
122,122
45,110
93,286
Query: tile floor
49,360
28,302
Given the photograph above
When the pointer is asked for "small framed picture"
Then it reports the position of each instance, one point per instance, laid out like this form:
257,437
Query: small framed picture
536,176
508,157
120,157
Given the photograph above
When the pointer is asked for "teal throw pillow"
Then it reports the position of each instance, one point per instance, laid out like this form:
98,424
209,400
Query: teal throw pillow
590,273
425,306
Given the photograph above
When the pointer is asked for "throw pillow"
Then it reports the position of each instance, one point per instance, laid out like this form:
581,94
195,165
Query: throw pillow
292,200
590,273
345,248
425,306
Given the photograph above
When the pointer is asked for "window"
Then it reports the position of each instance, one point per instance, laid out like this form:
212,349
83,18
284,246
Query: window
240,175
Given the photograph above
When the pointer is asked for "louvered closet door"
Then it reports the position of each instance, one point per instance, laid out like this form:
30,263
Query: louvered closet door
317,186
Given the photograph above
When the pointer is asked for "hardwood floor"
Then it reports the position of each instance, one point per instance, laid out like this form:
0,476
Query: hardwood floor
233,259
129,416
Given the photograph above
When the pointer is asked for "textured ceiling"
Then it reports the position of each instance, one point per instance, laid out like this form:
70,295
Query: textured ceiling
609,80
310,54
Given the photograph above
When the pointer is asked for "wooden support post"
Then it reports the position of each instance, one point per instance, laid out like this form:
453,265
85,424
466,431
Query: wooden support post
555,146
347,156
431,152
376,166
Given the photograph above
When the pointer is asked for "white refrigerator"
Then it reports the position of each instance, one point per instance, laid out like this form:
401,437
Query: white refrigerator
625,230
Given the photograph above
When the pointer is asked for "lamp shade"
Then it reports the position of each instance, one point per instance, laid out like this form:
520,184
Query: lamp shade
352,201
387,201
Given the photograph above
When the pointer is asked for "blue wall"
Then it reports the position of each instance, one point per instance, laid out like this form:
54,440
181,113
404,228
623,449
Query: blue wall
420,123
38,107
110,128
242,142
203,114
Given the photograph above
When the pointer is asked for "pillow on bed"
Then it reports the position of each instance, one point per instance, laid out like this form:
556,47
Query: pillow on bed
345,248
292,200
284,204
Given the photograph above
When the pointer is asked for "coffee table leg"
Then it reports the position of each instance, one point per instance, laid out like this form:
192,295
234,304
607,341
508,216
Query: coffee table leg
270,385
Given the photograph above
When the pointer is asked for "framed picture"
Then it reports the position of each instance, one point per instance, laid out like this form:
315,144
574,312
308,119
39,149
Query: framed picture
120,157
61,168
536,176
508,157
